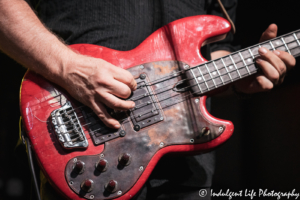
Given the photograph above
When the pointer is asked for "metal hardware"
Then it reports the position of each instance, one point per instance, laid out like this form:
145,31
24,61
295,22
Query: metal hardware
137,127
92,196
205,131
111,186
142,76
87,185
79,167
197,100
98,131
101,165
221,129
68,128
122,133
191,140
161,144
186,67
119,192
146,106
141,168
124,159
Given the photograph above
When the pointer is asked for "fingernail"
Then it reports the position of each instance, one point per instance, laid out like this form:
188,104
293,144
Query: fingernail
135,87
132,105
258,60
277,52
262,50
117,126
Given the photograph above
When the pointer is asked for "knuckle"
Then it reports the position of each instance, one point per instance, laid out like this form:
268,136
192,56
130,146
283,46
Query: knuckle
282,68
116,104
101,116
274,76
127,92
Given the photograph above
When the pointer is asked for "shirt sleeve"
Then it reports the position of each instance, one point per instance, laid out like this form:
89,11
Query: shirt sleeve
214,9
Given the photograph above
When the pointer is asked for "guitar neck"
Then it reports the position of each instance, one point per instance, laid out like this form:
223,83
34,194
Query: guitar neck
240,64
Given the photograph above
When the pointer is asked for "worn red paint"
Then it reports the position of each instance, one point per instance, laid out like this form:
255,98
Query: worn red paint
180,40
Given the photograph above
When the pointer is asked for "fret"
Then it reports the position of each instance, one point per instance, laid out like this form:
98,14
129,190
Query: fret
226,69
244,63
211,76
196,81
298,34
203,79
251,53
218,72
285,45
255,50
295,36
272,46
235,66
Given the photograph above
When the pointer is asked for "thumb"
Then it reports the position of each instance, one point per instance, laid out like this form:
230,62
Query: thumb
270,33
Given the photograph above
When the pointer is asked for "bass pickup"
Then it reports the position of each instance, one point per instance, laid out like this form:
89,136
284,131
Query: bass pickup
147,110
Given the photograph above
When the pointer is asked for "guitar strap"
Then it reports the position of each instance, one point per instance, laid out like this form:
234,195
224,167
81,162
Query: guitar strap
23,139
233,30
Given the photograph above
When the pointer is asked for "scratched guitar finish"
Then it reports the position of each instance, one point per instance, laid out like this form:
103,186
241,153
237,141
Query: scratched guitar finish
83,159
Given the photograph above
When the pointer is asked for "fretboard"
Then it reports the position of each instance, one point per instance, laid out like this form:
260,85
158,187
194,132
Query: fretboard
240,64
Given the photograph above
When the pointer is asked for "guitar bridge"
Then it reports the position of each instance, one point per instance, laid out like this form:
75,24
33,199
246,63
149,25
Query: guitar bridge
68,128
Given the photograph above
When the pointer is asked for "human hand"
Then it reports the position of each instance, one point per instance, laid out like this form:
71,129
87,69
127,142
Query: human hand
273,64
95,83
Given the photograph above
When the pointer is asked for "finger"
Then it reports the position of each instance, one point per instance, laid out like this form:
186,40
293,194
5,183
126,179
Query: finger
119,89
103,115
274,60
268,70
116,103
263,83
125,77
287,58
270,33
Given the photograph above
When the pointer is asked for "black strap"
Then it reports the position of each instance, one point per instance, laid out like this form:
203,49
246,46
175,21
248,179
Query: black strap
30,161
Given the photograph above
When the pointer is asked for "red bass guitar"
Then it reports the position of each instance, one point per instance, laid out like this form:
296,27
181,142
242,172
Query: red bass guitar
83,159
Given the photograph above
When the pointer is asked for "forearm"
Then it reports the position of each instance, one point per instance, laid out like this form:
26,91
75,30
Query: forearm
24,38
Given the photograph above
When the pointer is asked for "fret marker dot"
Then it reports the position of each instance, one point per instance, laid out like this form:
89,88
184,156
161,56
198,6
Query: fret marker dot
278,43
230,67
249,60
214,73
199,78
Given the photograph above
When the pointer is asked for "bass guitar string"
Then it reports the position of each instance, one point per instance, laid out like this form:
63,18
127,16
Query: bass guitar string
197,84
165,78
156,92
253,46
160,100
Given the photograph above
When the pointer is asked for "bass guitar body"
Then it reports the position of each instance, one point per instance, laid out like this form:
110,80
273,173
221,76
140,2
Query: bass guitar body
83,159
